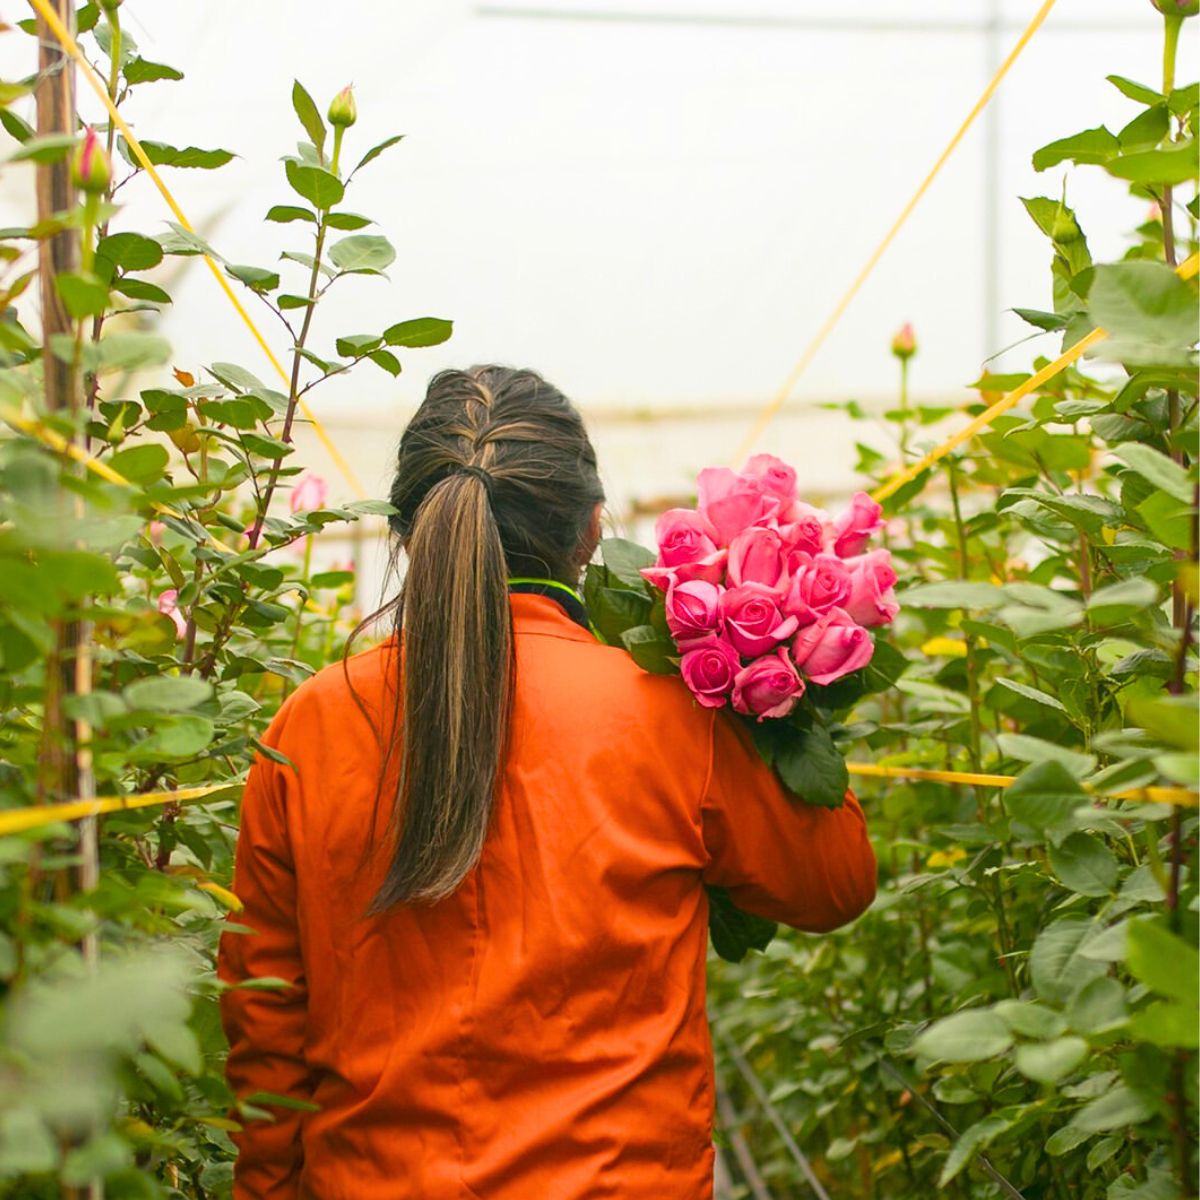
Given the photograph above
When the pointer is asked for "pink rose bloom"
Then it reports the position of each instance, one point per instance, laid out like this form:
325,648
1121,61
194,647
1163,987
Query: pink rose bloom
872,599
687,549
853,528
709,669
168,607
309,493
805,528
733,502
832,647
753,622
820,583
756,556
768,687
775,476
694,611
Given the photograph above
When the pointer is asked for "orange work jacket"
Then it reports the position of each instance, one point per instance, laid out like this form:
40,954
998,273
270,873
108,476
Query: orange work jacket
541,1033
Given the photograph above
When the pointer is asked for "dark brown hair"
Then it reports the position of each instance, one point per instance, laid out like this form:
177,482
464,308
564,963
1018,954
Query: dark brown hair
495,479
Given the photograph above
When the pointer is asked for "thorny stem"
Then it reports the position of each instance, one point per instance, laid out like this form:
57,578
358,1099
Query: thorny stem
972,666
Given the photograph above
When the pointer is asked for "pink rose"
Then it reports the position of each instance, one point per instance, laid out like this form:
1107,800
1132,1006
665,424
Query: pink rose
155,532
872,598
687,549
768,687
309,493
853,528
832,647
820,582
168,607
732,502
709,669
804,528
775,476
753,622
756,556
694,611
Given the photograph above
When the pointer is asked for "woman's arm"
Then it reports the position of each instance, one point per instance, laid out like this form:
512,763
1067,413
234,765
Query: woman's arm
266,1028
811,868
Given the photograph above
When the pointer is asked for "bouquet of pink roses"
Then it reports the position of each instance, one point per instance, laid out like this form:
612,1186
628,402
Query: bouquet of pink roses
763,603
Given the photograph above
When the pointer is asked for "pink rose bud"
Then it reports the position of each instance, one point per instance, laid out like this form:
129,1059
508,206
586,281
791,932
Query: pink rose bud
343,111
756,556
904,344
309,493
753,623
155,531
872,581
694,611
90,167
768,687
732,503
687,549
832,647
853,528
805,529
168,607
709,669
775,476
1177,8
821,583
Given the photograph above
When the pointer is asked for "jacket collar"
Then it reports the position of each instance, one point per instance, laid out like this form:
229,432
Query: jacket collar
540,614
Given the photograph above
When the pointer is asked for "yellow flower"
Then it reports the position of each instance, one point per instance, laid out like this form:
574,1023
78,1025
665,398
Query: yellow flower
944,647
946,858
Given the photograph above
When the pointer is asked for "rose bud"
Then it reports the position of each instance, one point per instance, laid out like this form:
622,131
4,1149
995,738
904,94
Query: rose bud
90,168
309,493
821,583
832,647
1177,8
708,669
756,556
872,582
904,344
775,476
805,529
753,622
168,607
694,611
732,503
853,528
768,687
343,112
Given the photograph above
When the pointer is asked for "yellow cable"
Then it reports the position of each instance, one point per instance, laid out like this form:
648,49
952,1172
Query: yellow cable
72,48
19,820
769,413
1185,270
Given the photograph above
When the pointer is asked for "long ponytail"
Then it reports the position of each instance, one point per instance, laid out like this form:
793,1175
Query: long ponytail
495,478
457,687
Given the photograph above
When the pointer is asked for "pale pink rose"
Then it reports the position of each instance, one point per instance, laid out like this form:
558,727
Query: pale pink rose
832,647
768,687
687,550
753,622
756,556
709,669
694,612
820,582
155,532
775,476
168,607
853,528
309,493
805,528
733,502
872,598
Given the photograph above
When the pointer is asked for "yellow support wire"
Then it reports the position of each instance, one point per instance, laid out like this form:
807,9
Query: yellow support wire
769,413
71,47
21,820
1186,270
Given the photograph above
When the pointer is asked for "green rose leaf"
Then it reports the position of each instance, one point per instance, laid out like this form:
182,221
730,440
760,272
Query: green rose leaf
812,767
970,1036
317,186
421,331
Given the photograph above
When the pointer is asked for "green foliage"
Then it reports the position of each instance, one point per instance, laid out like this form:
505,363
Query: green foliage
1025,987
196,597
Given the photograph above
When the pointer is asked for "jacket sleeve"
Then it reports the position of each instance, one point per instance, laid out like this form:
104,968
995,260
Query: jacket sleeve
265,1028
808,867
